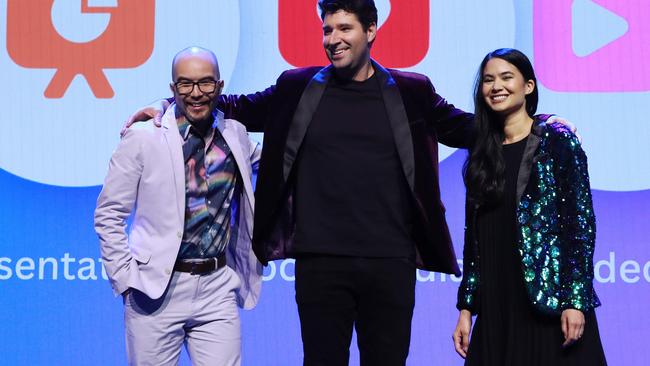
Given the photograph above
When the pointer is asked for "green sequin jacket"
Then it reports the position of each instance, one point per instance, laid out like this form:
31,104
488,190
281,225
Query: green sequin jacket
556,226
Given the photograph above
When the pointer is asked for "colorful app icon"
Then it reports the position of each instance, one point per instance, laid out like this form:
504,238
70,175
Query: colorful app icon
402,40
592,45
33,42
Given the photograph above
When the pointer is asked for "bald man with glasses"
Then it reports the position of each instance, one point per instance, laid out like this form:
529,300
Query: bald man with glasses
186,263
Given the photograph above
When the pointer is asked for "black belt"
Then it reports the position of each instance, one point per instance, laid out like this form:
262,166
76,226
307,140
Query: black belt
200,267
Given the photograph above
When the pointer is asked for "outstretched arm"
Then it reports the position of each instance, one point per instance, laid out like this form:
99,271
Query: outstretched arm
251,110
452,126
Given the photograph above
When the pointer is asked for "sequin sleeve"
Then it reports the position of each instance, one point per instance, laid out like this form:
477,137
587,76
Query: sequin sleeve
577,224
469,285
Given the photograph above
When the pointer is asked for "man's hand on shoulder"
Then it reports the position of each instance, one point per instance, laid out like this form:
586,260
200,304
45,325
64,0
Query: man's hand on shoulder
154,110
567,123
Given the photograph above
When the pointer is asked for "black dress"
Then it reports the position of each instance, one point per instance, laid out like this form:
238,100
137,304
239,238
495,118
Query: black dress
508,330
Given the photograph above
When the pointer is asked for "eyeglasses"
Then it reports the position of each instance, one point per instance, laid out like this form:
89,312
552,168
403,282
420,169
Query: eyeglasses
186,87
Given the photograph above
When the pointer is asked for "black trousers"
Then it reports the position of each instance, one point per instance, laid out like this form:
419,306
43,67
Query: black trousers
375,295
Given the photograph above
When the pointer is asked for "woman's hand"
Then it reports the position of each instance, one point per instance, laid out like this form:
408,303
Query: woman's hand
573,325
461,333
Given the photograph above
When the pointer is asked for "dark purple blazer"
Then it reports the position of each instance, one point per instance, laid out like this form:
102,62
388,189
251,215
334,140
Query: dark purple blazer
419,119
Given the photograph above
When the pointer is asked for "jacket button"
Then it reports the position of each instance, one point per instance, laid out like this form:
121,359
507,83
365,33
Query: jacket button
179,234
168,271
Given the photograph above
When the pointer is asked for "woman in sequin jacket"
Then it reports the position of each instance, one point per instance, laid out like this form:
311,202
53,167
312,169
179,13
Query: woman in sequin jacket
530,231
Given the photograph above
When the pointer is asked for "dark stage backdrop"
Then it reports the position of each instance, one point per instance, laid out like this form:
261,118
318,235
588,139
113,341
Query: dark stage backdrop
73,70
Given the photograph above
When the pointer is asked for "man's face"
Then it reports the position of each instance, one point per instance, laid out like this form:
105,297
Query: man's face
196,87
346,43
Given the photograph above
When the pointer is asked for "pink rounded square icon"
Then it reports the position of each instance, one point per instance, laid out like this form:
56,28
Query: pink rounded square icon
618,64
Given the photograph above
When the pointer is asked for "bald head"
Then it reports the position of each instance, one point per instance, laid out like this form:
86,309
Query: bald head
196,55
196,85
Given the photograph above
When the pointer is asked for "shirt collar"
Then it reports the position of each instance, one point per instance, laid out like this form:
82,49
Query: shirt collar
184,126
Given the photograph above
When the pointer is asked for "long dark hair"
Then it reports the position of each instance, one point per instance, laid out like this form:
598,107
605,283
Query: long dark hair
484,168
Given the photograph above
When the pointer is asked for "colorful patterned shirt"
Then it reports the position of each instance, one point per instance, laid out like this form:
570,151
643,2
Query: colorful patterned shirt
210,184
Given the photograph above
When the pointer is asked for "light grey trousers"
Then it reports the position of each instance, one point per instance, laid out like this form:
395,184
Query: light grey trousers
199,311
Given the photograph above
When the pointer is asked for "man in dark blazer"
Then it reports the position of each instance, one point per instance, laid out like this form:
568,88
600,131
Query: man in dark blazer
348,185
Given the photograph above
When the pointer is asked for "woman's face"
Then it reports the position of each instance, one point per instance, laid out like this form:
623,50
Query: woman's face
504,88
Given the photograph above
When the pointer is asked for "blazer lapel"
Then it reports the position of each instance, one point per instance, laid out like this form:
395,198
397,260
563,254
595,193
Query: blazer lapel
231,137
526,165
175,144
302,117
398,122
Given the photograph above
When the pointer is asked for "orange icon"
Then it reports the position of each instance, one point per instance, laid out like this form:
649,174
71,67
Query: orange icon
33,41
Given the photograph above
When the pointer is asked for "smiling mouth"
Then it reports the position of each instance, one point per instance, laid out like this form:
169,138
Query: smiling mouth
197,105
339,52
498,98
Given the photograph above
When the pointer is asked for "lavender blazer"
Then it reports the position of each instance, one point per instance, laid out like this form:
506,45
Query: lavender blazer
146,180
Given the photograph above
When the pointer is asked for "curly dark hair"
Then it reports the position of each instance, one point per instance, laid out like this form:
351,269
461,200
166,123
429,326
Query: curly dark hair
365,10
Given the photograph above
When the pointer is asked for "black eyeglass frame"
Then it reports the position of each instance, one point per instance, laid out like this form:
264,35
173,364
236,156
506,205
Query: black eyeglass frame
215,85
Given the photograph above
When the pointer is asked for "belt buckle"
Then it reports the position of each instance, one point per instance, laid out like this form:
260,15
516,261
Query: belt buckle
193,268
198,268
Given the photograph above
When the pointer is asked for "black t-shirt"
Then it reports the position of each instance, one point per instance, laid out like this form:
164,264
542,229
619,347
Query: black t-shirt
351,194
